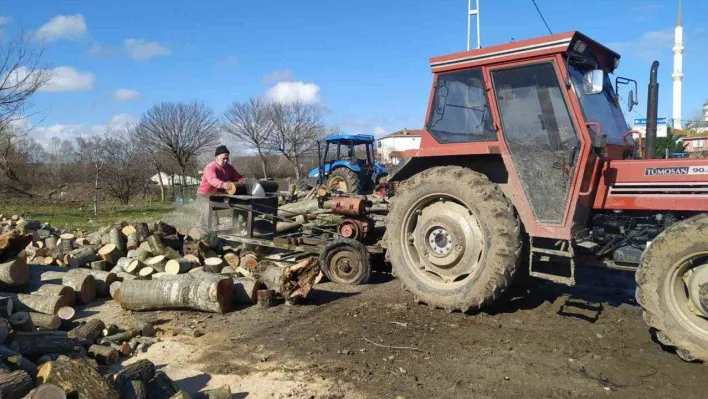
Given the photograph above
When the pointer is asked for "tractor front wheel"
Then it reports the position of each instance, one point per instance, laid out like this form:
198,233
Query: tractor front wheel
344,180
672,287
453,238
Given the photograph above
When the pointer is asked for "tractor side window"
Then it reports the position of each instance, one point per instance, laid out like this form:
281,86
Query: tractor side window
460,110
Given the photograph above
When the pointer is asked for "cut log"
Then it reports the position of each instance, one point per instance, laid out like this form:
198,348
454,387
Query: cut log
76,376
145,246
48,260
181,395
41,342
81,242
205,295
15,272
4,330
128,230
101,265
89,331
94,238
245,290
47,304
133,390
121,264
66,242
46,391
161,387
213,265
157,263
82,256
267,298
21,321
164,229
115,287
140,254
120,337
142,370
27,225
156,245
6,306
50,242
15,385
45,321
132,241
232,259
146,272
16,360
57,290
117,239
38,260
292,282
227,270
12,243
103,354
84,286
249,260
134,266
177,266
194,260
110,253
102,279
110,330
223,392
172,241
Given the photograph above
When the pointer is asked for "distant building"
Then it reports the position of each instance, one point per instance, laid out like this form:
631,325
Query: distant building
174,180
696,143
700,124
389,148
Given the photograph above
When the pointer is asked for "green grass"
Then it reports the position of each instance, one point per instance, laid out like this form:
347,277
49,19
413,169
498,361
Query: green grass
75,217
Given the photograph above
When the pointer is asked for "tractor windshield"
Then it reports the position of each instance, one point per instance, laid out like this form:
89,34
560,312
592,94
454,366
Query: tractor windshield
602,107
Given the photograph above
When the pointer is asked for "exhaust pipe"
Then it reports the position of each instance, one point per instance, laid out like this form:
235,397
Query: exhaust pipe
652,112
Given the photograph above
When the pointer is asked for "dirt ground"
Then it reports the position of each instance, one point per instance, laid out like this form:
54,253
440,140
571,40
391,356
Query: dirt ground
542,340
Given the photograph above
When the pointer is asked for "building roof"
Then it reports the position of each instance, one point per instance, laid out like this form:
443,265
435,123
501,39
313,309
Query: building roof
695,137
405,133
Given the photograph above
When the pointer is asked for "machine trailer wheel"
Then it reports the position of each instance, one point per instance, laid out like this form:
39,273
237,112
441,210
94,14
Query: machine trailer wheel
344,180
453,238
346,261
672,287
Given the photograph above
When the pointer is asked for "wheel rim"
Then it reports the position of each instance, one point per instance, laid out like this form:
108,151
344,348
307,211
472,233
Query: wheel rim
338,183
345,266
443,242
681,289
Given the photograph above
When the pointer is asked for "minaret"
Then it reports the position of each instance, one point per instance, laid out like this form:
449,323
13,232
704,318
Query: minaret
678,67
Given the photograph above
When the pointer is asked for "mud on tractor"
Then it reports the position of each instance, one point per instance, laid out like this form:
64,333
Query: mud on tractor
526,154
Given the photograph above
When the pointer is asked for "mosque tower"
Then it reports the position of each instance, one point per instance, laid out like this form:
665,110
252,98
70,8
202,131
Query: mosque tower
678,67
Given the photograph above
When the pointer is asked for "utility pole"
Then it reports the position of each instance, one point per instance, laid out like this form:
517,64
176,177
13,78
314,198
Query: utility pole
473,12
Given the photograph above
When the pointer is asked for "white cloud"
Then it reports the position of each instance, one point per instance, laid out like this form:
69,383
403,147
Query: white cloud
69,79
63,27
43,135
649,46
142,50
379,131
126,95
281,75
287,92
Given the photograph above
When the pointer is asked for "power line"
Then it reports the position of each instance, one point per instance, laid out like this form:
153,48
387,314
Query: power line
541,15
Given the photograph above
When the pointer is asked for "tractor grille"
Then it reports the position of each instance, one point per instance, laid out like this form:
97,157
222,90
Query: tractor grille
659,189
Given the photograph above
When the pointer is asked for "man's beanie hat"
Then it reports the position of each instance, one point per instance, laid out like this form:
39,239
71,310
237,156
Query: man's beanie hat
221,150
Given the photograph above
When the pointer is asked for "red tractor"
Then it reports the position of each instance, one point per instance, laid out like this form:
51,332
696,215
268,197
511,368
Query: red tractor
526,154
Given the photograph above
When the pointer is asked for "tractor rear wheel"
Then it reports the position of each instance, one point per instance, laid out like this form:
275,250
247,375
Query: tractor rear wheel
453,238
672,287
344,180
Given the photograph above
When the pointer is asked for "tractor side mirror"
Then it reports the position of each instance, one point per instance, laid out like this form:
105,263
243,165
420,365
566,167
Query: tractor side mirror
631,101
593,81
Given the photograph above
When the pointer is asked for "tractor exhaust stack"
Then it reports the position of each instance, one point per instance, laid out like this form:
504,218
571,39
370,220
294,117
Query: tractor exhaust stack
652,111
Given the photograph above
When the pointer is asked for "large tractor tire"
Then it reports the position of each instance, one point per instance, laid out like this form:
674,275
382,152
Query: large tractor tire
672,287
452,238
344,180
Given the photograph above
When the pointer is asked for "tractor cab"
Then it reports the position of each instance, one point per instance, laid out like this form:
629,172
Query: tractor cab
347,164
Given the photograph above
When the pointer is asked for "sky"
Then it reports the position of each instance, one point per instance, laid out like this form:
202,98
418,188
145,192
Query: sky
366,62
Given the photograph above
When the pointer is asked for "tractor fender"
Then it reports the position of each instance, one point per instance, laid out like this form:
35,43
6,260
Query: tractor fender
343,164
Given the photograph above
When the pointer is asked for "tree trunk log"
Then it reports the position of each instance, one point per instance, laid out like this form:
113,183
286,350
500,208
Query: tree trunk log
103,354
18,361
205,295
161,387
172,241
39,343
67,242
233,260
157,263
292,282
84,286
50,242
146,272
46,391
4,330
14,273
133,390
177,266
142,370
57,290
110,253
164,229
194,260
82,256
47,304
134,266
89,331
114,288
156,245
21,321
132,242
102,279
181,395
227,270
128,230
6,306
76,376
245,290
45,321
122,264
213,265
101,265
249,260
141,254
223,392
117,239
120,337
94,238
15,385
145,246
12,243
142,231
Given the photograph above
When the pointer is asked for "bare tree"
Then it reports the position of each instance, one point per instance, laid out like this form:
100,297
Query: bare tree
183,130
20,77
125,173
250,123
296,128
93,151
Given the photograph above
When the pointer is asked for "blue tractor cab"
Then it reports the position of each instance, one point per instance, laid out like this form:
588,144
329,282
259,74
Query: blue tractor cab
347,164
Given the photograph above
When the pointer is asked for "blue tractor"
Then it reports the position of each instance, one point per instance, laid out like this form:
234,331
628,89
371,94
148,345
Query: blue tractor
347,164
